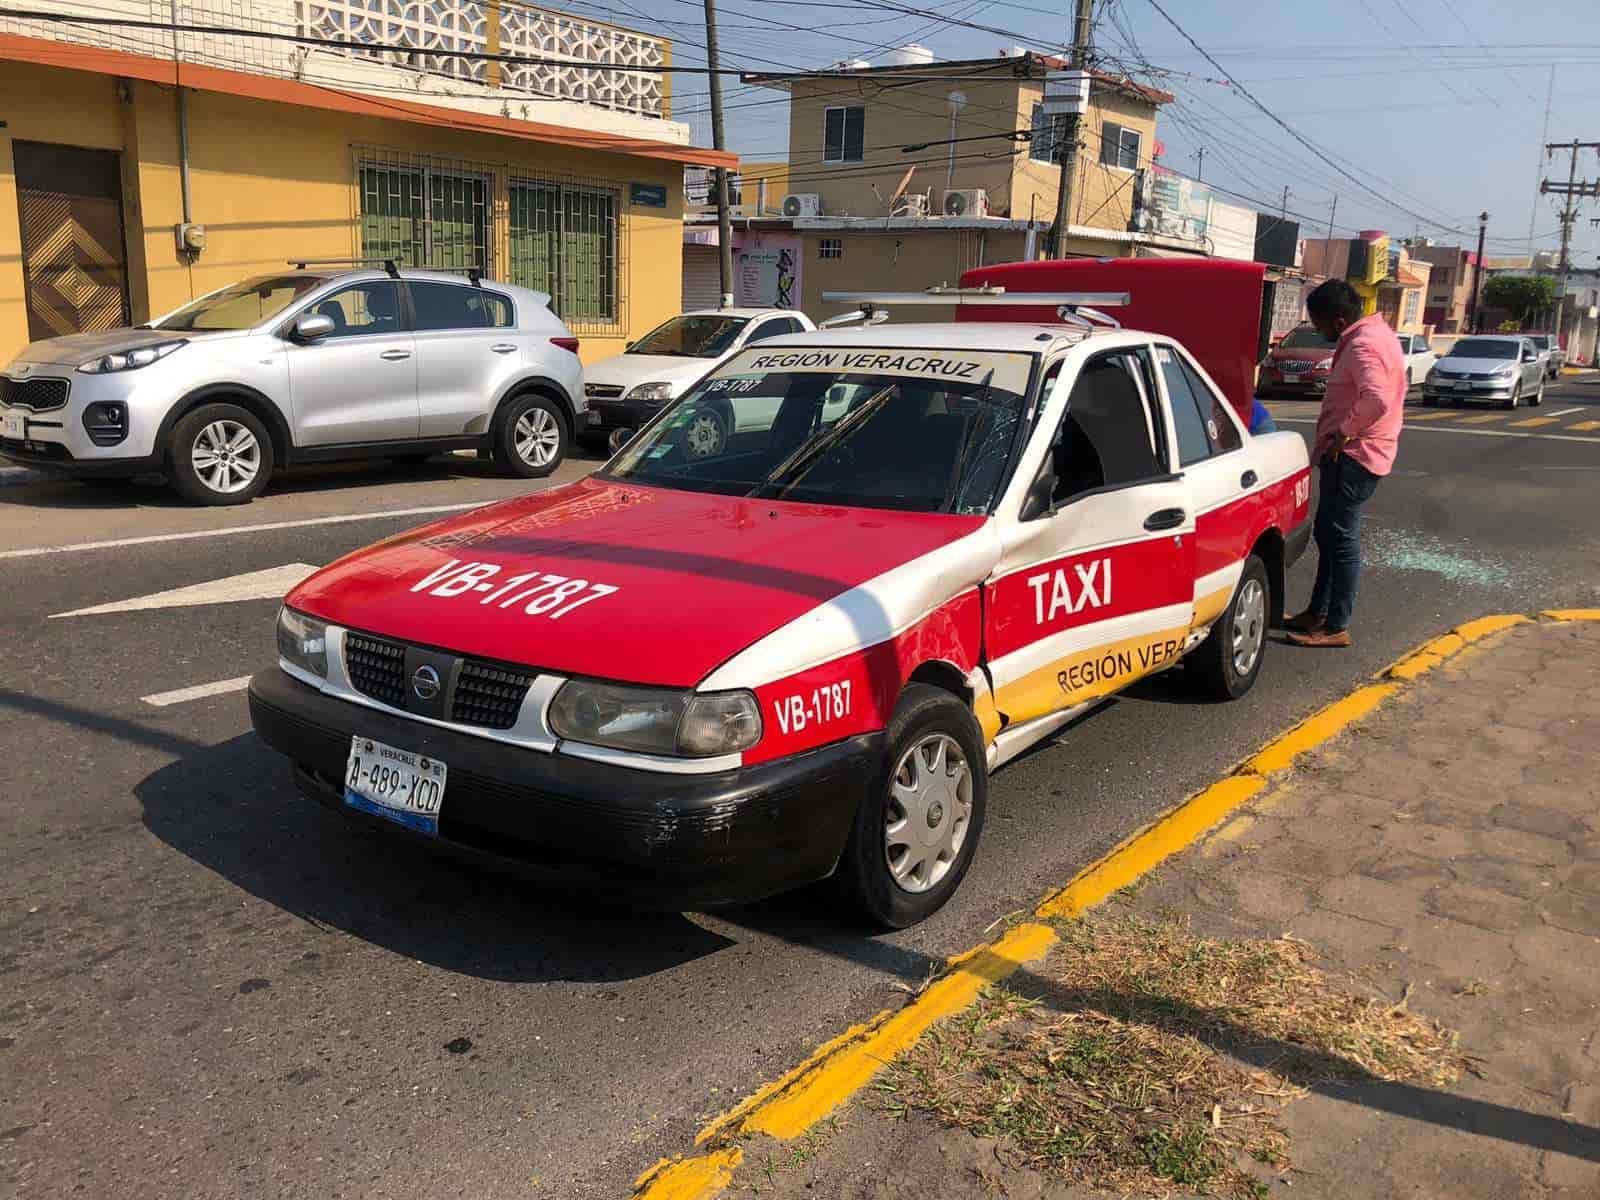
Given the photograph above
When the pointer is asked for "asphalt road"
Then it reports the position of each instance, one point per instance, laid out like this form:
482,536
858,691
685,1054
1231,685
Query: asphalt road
213,988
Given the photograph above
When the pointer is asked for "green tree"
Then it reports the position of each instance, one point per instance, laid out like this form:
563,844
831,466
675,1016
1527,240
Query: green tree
1520,295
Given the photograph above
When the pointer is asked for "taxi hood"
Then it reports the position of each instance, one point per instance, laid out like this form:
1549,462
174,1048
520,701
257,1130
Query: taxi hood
674,583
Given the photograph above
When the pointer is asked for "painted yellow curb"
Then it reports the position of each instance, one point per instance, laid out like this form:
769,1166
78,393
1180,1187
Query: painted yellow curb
794,1103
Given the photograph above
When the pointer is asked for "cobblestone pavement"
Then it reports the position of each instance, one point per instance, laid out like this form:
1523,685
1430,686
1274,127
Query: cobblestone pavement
1442,851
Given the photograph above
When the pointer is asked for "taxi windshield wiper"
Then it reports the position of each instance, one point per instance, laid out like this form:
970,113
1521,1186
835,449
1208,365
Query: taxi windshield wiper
812,448
968,441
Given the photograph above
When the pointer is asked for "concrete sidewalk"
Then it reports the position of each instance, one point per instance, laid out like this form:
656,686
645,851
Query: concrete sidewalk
1441,854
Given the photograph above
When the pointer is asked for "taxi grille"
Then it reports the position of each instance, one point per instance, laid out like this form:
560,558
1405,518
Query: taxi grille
377,668
40,395
488,696
1295,364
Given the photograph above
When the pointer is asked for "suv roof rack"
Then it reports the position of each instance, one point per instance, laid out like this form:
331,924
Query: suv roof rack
300,264
1074,308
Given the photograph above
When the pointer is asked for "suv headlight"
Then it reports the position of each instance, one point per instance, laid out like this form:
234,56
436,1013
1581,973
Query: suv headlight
303,642
655,720
131,360
654,393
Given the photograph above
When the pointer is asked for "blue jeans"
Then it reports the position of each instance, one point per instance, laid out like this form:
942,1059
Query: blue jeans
1345,486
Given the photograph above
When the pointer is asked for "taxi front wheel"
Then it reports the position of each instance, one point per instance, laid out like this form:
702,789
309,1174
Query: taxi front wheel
1229,660
917,830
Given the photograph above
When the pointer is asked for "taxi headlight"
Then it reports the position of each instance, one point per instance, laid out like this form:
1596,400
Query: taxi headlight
303,642
652,393
1506,371
655,720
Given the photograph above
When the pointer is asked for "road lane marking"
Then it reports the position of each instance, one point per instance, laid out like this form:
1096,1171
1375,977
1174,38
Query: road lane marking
198,692
797,1101
1567,412
267,527
1585,426
1433,416
1483,418
269,584
1504,433
1533,422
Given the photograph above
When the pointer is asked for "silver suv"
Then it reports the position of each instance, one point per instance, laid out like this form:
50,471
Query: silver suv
302,366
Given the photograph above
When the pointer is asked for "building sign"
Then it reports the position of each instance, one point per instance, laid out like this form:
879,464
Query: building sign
1168,205
648,195
767,272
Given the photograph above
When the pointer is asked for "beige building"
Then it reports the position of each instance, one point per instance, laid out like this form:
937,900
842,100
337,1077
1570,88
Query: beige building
903,176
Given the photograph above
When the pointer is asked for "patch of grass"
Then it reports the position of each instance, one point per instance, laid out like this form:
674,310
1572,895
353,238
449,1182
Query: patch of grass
1141,1057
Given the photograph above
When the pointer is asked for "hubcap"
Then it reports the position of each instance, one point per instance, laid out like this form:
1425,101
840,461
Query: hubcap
537,437
928,813
704,436
1249,626
226,456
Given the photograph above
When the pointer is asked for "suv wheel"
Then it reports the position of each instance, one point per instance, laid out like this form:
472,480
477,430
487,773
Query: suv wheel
1230,658
530,437
917,830
219,454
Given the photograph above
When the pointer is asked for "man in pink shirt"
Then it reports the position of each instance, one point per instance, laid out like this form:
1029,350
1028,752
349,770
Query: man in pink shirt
1358,433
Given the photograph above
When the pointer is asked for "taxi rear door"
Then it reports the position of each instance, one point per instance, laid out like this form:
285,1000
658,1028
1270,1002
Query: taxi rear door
1095,584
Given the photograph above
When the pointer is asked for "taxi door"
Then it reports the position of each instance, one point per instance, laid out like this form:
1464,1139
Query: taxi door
1095,584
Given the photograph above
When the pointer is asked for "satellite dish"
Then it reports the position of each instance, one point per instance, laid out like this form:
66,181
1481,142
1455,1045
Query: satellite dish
791,206
905,181
955,204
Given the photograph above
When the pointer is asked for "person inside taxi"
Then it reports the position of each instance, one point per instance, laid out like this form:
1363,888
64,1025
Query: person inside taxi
1358,433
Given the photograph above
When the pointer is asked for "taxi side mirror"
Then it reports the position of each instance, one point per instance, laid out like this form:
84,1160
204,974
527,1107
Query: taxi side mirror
1040,500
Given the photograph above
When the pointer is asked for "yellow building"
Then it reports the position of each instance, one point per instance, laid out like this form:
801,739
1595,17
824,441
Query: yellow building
132,181
903,176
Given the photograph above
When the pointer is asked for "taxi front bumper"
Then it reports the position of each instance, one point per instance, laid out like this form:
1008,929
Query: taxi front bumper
676,841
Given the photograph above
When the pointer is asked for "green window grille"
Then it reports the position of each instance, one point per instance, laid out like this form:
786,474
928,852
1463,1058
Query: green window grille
564,242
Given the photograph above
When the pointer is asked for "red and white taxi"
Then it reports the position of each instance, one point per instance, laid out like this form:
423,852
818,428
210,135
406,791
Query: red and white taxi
706,675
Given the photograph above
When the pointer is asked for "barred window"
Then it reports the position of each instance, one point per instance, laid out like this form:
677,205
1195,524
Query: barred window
425,216
830,247
564,242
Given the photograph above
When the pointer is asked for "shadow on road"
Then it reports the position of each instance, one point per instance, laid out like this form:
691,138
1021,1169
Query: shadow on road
232,809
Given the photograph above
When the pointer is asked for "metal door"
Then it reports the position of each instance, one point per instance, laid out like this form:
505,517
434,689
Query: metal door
74,259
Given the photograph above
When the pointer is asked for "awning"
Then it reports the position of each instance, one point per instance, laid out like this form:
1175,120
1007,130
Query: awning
73,57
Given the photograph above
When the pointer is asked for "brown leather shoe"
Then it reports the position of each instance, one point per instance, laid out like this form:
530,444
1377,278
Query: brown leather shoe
1306,622
1326,639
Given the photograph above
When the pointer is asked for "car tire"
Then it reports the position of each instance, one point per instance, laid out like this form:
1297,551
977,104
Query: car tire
1409,383
928,726
706,434
219,454
1538,396
1229,660
530,436
1516,397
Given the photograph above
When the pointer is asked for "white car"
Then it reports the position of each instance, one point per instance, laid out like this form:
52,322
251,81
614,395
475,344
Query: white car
301,366
626,391
1420,357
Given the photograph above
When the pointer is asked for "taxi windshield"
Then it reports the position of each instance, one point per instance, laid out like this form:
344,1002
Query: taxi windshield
1484,348
914,430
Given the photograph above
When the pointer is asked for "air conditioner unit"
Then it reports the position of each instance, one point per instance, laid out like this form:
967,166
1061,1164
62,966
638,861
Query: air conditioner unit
966,202
913,204
802,204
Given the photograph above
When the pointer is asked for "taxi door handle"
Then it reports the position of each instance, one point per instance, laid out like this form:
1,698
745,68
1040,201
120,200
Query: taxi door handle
395,355
1164,518
503,348
1248,479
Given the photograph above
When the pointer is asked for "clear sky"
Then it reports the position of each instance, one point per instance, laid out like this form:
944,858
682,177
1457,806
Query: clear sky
1437,106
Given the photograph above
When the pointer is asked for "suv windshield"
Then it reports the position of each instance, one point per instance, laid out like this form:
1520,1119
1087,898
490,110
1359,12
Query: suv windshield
1307,338
1485,348
691,337
242,306
918,430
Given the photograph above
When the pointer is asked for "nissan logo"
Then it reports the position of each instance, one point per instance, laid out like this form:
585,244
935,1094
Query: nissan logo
425,683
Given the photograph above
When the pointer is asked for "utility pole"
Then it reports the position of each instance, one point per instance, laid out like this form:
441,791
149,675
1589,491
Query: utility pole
1332,210
1477,274
1067,149
1200,164
1574,190
724,223
1283,213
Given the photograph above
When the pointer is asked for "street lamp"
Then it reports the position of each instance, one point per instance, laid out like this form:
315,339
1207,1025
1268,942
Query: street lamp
1477,273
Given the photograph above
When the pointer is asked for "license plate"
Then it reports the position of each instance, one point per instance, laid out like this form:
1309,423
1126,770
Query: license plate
397,785
1290,377
11,426
1463,387
594,416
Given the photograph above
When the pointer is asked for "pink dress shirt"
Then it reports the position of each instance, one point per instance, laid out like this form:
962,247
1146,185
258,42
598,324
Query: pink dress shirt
1365,401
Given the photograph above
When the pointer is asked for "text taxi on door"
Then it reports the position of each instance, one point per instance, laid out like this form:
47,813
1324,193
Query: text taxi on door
706,675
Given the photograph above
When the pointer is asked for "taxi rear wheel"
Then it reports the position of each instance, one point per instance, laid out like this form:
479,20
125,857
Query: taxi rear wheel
916,832
1229,659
